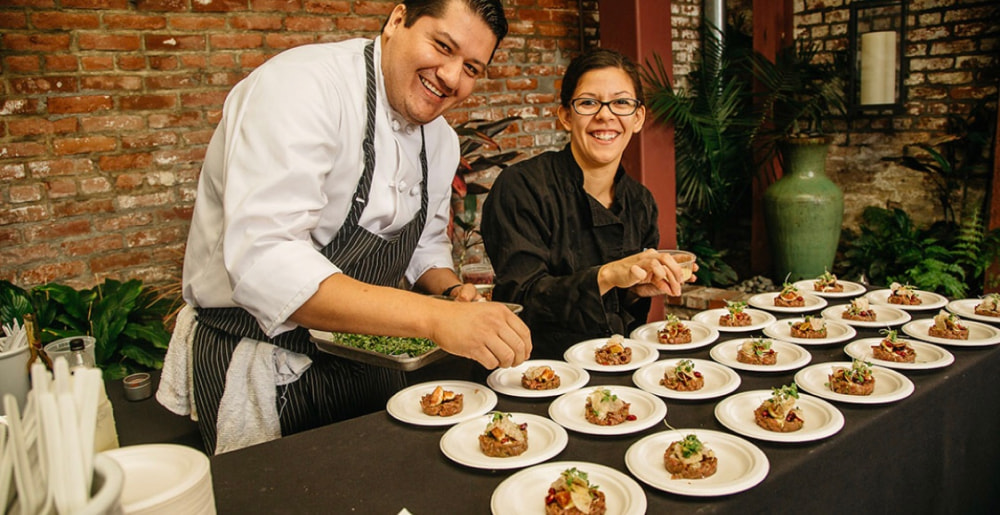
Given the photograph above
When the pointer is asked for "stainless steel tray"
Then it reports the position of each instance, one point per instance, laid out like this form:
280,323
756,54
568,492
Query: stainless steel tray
326,342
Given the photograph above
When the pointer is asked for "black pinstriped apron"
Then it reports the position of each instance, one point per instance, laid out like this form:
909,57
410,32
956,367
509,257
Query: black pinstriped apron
333,388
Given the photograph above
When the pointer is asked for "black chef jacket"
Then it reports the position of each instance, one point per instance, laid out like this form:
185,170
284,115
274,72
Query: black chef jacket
547,238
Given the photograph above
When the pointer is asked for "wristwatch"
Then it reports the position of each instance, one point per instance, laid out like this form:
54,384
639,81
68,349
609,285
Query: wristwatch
447,291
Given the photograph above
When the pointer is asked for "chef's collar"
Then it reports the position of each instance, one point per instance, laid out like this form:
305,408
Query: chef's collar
393,118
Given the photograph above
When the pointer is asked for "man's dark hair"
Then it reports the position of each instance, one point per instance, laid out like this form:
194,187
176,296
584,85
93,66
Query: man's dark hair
491,11
595,60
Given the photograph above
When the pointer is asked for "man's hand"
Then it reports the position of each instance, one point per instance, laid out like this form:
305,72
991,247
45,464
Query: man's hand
487,332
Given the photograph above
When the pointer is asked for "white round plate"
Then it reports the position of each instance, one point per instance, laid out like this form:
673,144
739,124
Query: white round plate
719,380
930,300
701,335
568,409
885,316
980,334
508,380
524,492
766,301
741,466
822,419
966,308
163,478
545,440
890,385
405,404
836,331
582,354
790,356
758,320
851,289
928,355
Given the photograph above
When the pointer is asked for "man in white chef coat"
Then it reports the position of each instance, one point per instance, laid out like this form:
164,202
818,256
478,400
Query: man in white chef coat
326,182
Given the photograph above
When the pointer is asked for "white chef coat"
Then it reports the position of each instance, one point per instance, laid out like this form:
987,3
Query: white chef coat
280,173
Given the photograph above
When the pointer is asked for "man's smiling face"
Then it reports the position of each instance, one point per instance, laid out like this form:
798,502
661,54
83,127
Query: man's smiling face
433,65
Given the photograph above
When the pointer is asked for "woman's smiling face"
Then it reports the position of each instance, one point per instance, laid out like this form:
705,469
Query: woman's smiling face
598,140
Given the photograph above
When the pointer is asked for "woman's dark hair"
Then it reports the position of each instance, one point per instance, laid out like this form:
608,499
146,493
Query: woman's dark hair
594,60
491,11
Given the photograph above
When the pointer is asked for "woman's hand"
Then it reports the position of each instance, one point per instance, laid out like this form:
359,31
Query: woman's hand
648,273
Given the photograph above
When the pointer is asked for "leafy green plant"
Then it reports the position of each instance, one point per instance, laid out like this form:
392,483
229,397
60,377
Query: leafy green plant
712,267
125,319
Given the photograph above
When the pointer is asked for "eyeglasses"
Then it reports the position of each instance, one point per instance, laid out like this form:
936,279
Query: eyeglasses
592,106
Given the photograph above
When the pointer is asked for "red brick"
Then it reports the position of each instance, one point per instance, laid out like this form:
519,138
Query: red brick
61,20
81,104
196,61
11,171
93,245
157,236
183,155
197,23
82,207
308,24
281,5
132,62
134,22
173,42
170,82
203,99
49,168
39,126
225,60
61,188
326,7
124,162
352,24
61,63
83,145
162,5
57,230
219,6
148,200
258,22
162,62
117,123
27,149
121,42
21,193
13,20
111,82
53,272
32,213
23,64
119,223
128,181
223,79
284,41
160,120
251,60
35,42
41,85
198,137
96,4
147,102
94,185
28,254
94,63
148,139
522,84
10,236
176,213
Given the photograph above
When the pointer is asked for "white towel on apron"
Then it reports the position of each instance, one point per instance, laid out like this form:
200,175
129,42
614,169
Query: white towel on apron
176,392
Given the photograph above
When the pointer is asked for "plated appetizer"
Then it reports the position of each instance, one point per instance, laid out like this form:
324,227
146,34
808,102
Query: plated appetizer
893,349
674,331
572,494
789,297
859,309
857,380
690,459
736,316
540,378
903,294
827,283
947,325
989,306
503,438
683,377
809,327
441,403
614,352
779,413
757,351
606,409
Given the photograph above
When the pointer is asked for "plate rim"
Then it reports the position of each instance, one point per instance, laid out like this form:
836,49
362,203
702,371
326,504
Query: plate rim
762,368
822,303
850,332
713,334
634,489
730,386
594,366
863,323
994,340
793,437
561,441
491,397
524,392
971,313
946,361
659,412
760,468
907,388
832,295
769,319
941,301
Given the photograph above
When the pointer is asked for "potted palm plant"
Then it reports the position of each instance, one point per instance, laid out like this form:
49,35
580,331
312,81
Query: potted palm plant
804,209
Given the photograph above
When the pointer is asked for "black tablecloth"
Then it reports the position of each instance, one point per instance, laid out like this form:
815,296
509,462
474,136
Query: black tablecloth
936,451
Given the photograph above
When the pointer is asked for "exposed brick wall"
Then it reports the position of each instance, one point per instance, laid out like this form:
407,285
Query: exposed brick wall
108,105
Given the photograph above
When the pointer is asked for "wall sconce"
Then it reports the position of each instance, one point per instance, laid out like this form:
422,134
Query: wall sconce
877,48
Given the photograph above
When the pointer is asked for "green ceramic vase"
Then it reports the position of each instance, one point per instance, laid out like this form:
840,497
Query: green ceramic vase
803,211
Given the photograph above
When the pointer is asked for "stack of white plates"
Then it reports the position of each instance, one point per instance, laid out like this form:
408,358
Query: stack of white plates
164,479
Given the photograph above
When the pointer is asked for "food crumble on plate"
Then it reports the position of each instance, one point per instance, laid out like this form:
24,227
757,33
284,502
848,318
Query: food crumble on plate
606,409
674,331
503,437
947,325
735,317
808,327
757,351
827,283
789,297
540,378
903,294
778,412
441,402
690,459
614,352
683,377
989,306
860,310
857,380
891,348
572,494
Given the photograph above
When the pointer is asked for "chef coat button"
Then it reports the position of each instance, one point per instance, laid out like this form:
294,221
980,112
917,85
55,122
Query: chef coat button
401,186
395,125
409,129
414,191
